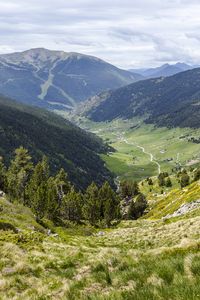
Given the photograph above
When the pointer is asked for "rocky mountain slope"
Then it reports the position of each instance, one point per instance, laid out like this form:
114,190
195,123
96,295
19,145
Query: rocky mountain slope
171,101
44,133
56,79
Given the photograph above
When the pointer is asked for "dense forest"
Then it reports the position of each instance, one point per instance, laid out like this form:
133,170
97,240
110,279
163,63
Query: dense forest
44,133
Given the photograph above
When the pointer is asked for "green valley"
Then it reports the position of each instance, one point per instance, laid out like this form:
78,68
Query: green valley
144,150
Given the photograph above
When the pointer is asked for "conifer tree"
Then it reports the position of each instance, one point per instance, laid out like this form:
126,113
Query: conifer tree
197,175
71,208
2,176
185,180
168,182
62,184
92,204
18,174
109,203
137,207
52,204
37,188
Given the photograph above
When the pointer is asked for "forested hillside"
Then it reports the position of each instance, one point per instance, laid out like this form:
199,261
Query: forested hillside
172,101
44,133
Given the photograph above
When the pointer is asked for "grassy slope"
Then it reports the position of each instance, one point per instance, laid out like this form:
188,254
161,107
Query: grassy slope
144,259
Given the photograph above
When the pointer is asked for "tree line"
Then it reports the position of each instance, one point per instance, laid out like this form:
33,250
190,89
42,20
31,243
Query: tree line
54,197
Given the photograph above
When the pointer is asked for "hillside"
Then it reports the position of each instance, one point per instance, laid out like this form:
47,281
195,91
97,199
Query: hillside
44,133
143,259
171,101
56,79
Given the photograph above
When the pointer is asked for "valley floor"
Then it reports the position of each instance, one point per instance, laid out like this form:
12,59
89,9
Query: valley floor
143,150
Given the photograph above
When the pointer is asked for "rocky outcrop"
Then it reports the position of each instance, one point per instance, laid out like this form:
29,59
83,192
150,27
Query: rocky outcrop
184,209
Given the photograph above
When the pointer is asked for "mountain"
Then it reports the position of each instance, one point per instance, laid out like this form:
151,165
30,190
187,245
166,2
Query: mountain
44,133
163,71
170,101
56,79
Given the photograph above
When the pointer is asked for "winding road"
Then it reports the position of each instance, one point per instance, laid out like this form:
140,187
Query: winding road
152,159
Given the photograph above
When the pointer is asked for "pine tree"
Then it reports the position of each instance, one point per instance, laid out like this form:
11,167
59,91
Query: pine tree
150,181
129,189
185,180
62,184
37,189
197,175
2,176
92,204
168,182
18,174
52,204
137,207
71,208
109,204
161,179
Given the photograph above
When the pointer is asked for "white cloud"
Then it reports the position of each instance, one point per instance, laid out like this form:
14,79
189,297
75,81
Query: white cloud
128,33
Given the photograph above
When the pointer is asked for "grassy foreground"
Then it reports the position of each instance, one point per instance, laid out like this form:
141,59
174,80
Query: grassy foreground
144,259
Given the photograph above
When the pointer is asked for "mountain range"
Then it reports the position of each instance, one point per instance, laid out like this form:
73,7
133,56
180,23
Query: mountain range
45,133
170,101
164,70
56,79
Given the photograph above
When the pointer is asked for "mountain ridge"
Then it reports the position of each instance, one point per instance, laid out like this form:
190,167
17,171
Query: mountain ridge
163,70
171,101
57,79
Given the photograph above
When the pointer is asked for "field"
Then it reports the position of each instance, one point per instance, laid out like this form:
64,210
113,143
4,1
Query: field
143,150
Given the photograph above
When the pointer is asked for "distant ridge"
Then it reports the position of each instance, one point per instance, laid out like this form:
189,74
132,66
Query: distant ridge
164,70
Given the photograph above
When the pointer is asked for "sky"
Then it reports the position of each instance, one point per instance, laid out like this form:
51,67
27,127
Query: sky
126,33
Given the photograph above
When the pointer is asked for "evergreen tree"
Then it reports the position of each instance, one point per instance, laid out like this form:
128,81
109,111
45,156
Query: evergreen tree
150,181
92,204
52,206
197,175
71,208
37,189
129,189
2,176
168,182
109,204
185,180
18,174
137,207
62,184
161,179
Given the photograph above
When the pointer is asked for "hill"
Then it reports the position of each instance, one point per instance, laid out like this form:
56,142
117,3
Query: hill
149,258
163,71
171,101
44,133
56,79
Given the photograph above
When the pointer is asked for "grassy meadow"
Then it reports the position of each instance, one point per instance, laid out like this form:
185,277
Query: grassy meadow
146,259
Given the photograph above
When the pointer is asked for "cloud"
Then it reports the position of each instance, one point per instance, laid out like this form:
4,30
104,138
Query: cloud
128,33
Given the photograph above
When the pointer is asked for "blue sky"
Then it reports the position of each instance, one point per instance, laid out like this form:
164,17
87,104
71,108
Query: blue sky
127,33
